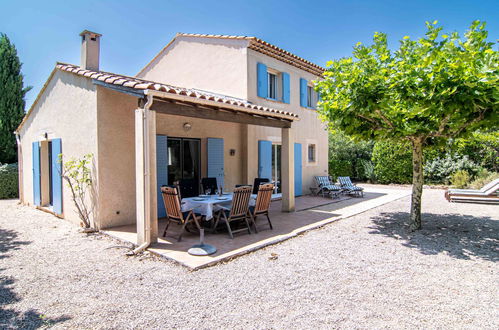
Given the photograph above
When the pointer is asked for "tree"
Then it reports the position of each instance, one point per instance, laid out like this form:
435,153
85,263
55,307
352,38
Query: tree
12,95
426,91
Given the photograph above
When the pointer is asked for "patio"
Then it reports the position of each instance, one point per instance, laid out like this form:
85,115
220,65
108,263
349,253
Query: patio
311,212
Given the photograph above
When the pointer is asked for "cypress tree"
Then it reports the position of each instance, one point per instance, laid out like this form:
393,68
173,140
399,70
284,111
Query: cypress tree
12,102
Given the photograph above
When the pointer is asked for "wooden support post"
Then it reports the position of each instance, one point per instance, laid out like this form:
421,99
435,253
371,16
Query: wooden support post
145,176
288,170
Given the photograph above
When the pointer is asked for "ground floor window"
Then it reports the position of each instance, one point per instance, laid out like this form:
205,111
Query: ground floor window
311,153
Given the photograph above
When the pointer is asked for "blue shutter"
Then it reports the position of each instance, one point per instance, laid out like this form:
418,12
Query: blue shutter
303,92
262,80
216,159
285,87
265,159
161,170
298,170
36,173
56,176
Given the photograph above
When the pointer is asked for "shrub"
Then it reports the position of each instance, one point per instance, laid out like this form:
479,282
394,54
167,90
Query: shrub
482,178
9,182
481,147
440,169
460,179
392,162
347,157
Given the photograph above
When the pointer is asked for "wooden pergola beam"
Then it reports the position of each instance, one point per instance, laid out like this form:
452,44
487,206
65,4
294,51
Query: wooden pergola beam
188,110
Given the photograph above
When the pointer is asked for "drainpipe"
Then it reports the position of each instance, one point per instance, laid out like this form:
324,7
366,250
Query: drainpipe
19,167
147,180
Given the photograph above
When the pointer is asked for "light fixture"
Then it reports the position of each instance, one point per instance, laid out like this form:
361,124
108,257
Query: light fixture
187,126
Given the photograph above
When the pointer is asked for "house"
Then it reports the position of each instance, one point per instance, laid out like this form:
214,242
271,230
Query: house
246,109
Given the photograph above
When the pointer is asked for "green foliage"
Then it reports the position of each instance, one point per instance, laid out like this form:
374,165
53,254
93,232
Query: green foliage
9,181
460,179
392,162
78,175
347,157
481,147
12,95
437,87
440,169
482,178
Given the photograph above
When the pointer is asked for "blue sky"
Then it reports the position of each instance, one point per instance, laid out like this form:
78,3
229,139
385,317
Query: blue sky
134,31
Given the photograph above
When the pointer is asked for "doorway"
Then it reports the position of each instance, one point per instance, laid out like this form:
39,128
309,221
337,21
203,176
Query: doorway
184,160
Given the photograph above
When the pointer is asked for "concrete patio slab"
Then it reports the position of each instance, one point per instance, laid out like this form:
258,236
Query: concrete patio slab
312,212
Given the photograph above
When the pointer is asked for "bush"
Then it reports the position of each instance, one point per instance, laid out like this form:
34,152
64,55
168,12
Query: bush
460,179
482,178
481,147
9,184
347,157
440,169
392,162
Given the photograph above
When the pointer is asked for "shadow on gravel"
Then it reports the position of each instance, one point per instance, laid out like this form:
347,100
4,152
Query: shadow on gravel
461,236
10,318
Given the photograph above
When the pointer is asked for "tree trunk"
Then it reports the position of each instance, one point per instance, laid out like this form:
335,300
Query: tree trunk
417,183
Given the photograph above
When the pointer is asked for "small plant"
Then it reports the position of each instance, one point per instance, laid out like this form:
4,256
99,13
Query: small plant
460,179
482,178
78,175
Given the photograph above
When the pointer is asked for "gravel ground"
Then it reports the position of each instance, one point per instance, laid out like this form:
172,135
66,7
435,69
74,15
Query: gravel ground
362,272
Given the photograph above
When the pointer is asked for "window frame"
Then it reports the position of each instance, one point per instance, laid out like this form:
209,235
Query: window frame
312,147
272,78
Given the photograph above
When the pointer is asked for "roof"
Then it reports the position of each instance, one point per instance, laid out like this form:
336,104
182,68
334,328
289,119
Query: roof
266,48
169,92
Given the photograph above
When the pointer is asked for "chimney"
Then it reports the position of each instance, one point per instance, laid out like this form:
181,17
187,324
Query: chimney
90,49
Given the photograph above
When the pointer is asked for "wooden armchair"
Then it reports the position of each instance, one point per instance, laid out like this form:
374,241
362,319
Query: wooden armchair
263,199
237,211
174,212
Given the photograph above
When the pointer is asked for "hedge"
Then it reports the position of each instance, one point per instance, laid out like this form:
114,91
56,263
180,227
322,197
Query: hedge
9,184
392,162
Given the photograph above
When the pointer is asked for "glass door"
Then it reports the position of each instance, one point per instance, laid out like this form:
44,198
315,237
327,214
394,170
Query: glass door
184,160
276,166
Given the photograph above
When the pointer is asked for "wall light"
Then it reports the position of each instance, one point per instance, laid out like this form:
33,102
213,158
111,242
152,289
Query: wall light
187,126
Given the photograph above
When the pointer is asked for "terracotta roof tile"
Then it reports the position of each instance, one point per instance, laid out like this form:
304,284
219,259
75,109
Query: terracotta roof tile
141,84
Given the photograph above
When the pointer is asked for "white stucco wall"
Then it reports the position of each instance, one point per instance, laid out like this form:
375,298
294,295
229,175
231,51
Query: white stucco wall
308,130
215,65
116,149
66,109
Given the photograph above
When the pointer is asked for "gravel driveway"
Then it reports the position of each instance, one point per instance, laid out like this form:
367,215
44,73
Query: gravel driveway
361,272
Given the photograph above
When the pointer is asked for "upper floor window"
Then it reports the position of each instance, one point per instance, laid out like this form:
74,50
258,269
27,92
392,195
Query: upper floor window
308,95
273,86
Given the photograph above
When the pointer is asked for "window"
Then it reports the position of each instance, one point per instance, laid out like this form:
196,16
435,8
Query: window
312,97
311,152
272,85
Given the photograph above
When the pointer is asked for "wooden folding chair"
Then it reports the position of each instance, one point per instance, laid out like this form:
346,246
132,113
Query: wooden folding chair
239,210
262,205
174,212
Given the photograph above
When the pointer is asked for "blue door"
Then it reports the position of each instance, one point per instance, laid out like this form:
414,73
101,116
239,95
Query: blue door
265,159
161,170
298,170
36,173
56,176
216,160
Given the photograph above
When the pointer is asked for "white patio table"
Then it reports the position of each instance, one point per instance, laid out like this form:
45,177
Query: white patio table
205,205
